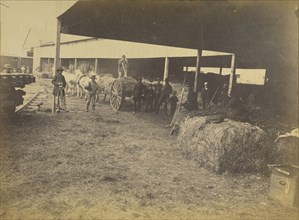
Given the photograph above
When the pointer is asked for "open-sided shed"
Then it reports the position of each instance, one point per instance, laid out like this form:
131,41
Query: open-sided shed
261,34
249,29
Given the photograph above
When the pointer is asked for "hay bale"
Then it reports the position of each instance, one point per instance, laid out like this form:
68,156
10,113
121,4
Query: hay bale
228,146
105,82
285,149
128,83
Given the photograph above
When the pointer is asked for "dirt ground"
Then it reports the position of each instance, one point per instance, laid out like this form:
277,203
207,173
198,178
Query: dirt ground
106,165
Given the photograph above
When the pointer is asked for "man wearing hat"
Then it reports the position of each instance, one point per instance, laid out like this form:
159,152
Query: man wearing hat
164,98
58,90
191,103
223,100
158,88
91,91
138,93
205,96
123,66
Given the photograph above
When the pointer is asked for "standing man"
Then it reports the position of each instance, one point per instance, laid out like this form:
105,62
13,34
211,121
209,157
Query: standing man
164,98
173,103
123,66
23,69
91,89
149,99
191,103
138,92
58,90
223,95
158,89
205,96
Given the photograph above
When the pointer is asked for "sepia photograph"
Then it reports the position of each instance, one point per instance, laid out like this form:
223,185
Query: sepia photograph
149,109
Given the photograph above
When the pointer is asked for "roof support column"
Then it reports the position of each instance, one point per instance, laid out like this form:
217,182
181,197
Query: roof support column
49,67
166,67
96,65
232,74
57,59
75,64
197,71
57,47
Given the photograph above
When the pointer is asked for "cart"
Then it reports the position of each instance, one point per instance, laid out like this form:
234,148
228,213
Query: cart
119,90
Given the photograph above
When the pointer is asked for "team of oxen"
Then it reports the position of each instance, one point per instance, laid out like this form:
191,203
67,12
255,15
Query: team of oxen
76,84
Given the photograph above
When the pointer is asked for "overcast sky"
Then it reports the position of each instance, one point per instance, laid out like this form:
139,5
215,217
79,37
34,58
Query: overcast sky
17,17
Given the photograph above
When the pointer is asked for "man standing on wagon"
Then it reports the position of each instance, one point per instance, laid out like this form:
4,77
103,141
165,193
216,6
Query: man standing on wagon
123,65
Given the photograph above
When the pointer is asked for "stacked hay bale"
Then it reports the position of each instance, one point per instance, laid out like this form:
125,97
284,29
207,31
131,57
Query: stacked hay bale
227,146
285,149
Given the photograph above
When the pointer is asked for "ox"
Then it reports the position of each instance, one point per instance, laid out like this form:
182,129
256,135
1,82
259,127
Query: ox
82,81
70,79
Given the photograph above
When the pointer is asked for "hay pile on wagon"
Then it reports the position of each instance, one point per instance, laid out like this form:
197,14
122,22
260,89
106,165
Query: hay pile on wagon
128,83
105,82
230,146
124,84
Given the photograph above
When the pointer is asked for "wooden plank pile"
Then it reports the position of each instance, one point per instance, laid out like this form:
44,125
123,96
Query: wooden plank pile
10,96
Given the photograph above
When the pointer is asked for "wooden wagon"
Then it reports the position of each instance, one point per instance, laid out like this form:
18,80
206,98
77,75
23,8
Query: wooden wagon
120,89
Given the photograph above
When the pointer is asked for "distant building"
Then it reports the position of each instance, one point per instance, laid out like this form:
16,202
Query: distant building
16,62
101,55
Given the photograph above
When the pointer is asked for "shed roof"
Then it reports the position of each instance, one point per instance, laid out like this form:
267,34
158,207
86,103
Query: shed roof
260,31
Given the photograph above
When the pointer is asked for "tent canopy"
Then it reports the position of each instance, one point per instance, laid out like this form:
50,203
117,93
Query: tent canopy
261,32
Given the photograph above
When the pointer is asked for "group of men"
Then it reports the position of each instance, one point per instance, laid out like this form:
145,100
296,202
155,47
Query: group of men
59,83
151,98
158,95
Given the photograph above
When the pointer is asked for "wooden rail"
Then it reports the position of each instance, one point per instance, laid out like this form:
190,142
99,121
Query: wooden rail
27,103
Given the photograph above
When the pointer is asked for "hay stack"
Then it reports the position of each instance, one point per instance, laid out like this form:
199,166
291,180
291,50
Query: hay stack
228,146
105,82
285,149
128,83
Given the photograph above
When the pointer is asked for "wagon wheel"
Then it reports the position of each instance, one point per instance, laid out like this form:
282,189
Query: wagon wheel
116,95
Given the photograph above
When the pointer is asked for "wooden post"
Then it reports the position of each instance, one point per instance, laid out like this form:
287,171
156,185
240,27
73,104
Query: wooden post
75,65
57,58
231,78
96,65
49,69
57,46
166,67
197,71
